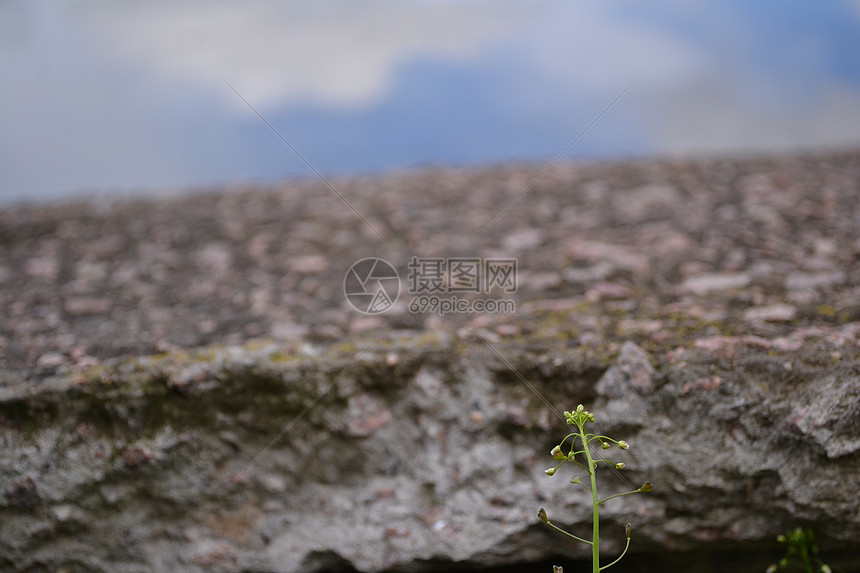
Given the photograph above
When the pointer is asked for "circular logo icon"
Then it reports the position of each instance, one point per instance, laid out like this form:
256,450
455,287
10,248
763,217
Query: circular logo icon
371,285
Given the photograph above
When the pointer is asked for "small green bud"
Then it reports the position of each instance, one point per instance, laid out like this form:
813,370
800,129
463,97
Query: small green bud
604,445
542,516
556,453
826,569
549,471
623,445
772,569
646,487
619,466
557,569
780,538
575,479
627,530
579,409
783,562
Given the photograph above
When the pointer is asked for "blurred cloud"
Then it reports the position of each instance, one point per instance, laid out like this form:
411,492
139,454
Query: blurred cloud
328,52
344,54
69,122
588,47
776,77
714,115
101,94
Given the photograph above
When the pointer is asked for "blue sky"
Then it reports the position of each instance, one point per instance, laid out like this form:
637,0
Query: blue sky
108,96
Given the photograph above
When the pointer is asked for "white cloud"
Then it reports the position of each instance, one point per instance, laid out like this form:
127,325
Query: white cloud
100,93
329,52
718,115
346,54
590,48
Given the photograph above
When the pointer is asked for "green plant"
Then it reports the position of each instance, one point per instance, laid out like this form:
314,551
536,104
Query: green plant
579,419
803,547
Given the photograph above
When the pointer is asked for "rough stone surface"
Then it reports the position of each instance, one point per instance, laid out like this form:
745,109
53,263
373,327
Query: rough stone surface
183,388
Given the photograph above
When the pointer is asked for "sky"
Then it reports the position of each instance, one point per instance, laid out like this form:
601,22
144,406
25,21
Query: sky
151,97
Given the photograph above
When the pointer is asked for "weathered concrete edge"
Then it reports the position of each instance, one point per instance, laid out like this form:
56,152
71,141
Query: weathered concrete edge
262,369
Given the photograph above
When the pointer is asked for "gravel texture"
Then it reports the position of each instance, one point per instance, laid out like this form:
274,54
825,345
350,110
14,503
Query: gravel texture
765,243
707,310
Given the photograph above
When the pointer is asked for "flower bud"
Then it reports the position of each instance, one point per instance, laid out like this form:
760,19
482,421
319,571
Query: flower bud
542,516
627,530
549,471
826,569
579,409
604,445
646,487
772,569
556,453
557,569
623,445
619,466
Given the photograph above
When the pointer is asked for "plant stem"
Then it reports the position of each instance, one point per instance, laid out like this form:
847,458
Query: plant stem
619,495
626,547
566,533
595,536
804,554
